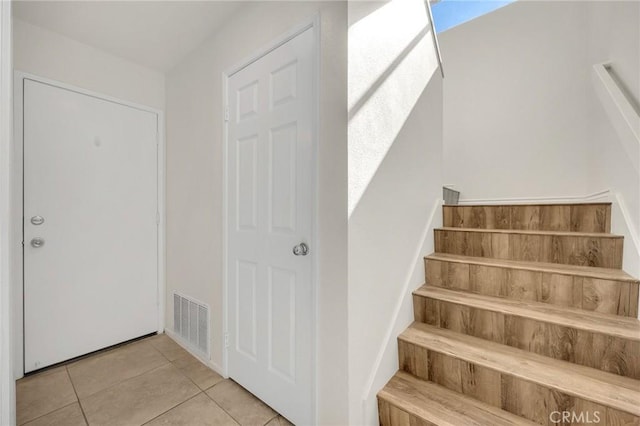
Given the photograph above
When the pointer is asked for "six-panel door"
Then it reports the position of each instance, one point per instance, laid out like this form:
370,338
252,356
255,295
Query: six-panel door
270,201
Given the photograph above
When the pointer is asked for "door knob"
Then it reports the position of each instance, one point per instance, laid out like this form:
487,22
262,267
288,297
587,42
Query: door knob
37,242
37,220
301,249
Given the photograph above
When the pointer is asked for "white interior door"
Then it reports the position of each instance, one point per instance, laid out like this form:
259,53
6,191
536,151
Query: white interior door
270,201
90,199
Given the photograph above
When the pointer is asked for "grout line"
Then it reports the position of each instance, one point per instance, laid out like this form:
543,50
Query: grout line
221,407
175,406
271,419
124,380
46,414
77,397
252,395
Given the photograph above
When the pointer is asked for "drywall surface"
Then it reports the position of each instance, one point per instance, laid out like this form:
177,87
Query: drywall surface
395,180
194,178
516,102
614,38
47,54
7,383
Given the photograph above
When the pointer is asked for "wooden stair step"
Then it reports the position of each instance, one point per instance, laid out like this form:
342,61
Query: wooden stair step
611,325
532,232
586,217
573,248
610,274
407,400
606,290
517,368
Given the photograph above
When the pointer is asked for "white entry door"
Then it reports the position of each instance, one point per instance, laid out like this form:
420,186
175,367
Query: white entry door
270,163
90,226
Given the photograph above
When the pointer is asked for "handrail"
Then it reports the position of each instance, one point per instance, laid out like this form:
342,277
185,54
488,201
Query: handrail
623,116
434,36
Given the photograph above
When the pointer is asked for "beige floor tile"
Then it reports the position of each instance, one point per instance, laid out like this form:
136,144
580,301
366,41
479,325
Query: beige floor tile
71,415
43,393
170,349
139,399
198,411
245,408
184,360
199,373
279,421
93,374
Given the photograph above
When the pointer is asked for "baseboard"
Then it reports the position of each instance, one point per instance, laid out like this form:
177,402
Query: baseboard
603,196
371,387
209,363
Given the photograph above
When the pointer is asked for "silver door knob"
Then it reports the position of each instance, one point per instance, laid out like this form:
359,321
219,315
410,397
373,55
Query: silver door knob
37,242
37,220
301,249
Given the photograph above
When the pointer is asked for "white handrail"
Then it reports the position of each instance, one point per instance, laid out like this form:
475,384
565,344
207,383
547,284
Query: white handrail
621,113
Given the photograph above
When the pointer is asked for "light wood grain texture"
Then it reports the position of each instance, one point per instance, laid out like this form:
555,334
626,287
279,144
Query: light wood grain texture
620,393
561,290
634,289
445,371
439,406
526,311
623,327
620,418
391,415
607,353
584,249
591,218
613,274
609,291
601,296
594,217
528,400
481,383
488,280
414,360
524,398
449,275
545,332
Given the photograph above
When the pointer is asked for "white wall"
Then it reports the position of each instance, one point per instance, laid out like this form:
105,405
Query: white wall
395,184
7,384
194,179
614,37
516,95
521,115
47,54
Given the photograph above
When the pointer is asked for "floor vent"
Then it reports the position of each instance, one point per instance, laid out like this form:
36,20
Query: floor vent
191,322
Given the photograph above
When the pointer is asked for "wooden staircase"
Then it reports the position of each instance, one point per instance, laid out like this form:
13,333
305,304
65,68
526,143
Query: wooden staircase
525,318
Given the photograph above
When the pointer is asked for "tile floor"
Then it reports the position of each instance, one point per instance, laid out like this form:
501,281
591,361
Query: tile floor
152,381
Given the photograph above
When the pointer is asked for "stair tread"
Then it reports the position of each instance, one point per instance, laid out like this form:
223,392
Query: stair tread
612,325
621,393
441,406
528,232
528,204
554,268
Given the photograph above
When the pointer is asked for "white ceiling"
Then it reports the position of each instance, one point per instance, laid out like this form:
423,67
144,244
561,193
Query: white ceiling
156,34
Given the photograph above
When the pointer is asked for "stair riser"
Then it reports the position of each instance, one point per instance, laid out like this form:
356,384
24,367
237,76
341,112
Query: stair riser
608,353
529,400
605,252
390,415
591,294
576,218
